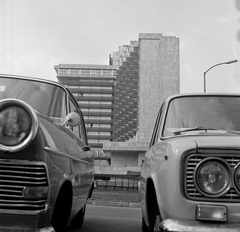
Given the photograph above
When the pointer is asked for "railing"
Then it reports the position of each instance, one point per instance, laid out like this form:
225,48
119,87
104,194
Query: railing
116,182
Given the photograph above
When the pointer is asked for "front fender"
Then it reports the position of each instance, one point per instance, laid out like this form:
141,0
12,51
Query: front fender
164,170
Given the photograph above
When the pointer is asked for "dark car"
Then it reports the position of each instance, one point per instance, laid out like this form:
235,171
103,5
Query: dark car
46,165
190,177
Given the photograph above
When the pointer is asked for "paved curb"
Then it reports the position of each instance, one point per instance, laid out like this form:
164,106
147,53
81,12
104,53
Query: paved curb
118,204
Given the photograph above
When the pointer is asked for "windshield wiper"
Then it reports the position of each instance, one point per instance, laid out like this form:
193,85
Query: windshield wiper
233,132
193,129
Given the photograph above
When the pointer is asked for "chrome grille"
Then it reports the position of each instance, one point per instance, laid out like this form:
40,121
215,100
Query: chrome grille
14,177
191,191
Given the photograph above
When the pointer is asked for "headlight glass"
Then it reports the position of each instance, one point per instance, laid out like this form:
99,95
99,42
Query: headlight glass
237,177
15,125
212,177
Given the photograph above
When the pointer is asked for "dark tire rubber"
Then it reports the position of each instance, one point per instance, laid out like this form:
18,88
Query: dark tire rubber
78,220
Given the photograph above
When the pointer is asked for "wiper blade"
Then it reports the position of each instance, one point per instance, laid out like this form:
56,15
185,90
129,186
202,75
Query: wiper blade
193,129
233,132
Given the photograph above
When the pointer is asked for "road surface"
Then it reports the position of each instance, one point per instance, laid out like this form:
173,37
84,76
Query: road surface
111,219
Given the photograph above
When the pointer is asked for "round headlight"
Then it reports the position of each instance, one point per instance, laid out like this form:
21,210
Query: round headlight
212,177
237,177
15,125
18,124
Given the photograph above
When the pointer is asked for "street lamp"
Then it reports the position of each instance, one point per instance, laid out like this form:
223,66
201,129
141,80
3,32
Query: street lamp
228,62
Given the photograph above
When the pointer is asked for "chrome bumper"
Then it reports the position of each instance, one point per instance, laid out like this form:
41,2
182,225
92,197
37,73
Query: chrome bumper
49,229
22,229
22,222
197,226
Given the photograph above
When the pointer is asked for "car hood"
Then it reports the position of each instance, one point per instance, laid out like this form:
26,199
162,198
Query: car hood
183,143
223,142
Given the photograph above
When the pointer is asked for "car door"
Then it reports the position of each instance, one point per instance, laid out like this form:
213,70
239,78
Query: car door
146,164
83,168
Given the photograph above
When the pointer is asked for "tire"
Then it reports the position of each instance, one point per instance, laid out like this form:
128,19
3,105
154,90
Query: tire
62,210
78,220
144,226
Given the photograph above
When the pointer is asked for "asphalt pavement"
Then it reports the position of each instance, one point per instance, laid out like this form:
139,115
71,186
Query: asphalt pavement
124,198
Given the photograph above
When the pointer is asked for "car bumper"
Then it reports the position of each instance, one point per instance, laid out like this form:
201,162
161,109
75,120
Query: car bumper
21,222
197,226
24,229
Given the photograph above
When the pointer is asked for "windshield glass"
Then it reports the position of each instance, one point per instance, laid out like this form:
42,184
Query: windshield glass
46,98
205,111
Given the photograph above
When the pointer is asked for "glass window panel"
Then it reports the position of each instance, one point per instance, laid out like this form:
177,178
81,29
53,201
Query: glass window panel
47,98
85,72
63,72
74,72
210,112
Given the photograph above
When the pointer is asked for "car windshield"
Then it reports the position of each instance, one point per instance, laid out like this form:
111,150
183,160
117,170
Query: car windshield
46,98
189,114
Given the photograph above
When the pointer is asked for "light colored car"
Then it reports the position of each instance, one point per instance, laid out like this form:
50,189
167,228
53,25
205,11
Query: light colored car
190,177
46,165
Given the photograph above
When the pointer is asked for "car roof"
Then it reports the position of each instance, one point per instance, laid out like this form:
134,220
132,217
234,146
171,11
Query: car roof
201,95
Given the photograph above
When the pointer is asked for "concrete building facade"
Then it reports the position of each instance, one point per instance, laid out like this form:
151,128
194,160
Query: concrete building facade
93,88
159,77
143,74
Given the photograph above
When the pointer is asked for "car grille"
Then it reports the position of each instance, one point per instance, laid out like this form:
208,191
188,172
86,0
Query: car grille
14,177
191,191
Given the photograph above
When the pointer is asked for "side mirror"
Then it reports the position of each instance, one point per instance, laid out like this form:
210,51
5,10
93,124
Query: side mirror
72,119
86,148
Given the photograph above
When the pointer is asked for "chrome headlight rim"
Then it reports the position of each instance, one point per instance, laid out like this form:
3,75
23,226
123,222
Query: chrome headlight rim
225,165
11,102
237,186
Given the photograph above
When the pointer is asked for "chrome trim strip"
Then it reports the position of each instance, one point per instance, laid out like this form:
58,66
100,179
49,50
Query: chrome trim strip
48,149
24,212
49,229
16,196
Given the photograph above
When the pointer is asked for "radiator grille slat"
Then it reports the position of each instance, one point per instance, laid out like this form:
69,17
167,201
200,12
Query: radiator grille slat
192,192
14,178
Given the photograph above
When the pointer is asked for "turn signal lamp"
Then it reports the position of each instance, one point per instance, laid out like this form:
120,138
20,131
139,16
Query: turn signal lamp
36,192
211,213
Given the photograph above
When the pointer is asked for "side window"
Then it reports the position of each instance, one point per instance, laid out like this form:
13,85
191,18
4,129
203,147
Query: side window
80,129
73,108
83,128
156,128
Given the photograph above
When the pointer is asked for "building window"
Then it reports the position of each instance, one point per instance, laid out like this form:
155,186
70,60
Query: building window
96,72
63,72
74,72
85,72
107,72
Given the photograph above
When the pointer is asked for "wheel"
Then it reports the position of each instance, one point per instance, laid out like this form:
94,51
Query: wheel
78,220
144,226
62,209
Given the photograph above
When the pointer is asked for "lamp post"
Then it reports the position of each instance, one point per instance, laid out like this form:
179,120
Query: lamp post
228,62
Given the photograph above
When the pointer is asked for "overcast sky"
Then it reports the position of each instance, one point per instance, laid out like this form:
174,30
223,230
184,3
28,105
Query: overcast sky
35,35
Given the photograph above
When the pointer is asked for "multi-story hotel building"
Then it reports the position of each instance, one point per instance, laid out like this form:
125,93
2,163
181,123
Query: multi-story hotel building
93,88
120,101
